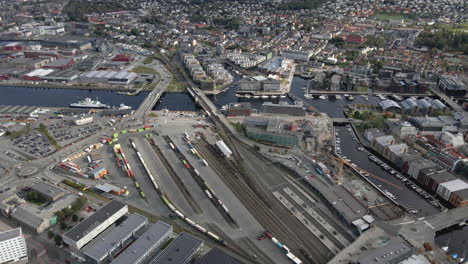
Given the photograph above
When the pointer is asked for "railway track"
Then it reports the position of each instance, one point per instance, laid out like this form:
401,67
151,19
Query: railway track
274,218
218,204
180,184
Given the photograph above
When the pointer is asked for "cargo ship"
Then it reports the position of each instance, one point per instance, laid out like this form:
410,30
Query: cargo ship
89,103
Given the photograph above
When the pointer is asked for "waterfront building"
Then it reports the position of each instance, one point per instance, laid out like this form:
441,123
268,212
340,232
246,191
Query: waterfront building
274,131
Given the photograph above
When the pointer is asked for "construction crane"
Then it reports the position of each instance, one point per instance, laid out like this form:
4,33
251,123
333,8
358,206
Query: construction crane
340,173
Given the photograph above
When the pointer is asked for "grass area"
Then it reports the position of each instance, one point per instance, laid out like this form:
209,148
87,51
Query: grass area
176,86
36,202
362,89
218,86
144,69
19,133
43,129
148,60
391,16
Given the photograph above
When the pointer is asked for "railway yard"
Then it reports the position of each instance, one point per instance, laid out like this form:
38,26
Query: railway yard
175,169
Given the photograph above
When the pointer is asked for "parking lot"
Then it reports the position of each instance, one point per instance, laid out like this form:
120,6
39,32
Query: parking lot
65,130
34,143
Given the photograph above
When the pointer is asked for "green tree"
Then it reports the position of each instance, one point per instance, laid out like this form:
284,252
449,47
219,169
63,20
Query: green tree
75,218
50,234
60,215
63,225
58,239
134,32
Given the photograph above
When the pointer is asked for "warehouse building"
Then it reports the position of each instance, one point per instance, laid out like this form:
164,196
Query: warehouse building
37,75
62,76
181,251
49,192
216,255
147,245
60,64
121,77
239,109
88,229
83,121
98,173
110,188
108,246
13,247
396,251
283,109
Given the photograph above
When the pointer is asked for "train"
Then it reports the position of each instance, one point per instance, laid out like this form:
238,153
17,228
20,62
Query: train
192,223
283,248
142,194
204,162
186,135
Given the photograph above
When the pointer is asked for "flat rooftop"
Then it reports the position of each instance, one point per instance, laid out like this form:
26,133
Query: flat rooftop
114,238
87,225
144,243
181,249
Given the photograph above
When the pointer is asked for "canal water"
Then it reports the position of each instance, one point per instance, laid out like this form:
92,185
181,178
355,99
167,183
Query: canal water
403,194
63,97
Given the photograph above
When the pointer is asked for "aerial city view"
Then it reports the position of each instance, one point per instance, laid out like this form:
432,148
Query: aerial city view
234,131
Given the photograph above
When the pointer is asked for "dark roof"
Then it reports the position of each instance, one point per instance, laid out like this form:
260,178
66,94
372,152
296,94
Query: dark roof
216,256
179,251
87,225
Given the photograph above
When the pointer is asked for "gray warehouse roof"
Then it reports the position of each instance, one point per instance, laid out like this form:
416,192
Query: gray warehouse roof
216,256
113,240
146,242
87,225
46,189
179,251
387,254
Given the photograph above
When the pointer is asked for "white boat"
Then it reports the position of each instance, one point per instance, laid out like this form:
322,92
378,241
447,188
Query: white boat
283,96
338,97
351,97
264,96
256,96
346,95
322,97
274,96
445,249
124,107
89,103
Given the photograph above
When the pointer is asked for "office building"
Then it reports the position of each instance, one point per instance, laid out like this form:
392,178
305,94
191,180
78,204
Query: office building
283,109
106,247
13,247
48,192
274,131
88,229
297,55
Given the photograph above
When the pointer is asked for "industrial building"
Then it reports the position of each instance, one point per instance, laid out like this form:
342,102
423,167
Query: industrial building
48,192
147,245
110,188
121,77
109,245
451,86
97,173
274,131
239,109
13,247
283,109
396,251
181,251
216,255
17,110
82,233
83,121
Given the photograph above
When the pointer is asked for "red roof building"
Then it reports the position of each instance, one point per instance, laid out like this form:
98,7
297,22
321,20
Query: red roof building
123,57
13,46
356,39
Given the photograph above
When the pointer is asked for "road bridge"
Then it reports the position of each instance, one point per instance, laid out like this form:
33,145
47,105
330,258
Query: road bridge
444,98
343,120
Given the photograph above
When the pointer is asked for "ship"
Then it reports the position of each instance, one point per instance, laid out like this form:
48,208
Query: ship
89,103
124,107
